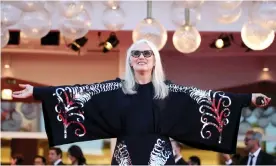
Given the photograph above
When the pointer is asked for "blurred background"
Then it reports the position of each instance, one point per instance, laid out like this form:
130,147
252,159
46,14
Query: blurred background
219,45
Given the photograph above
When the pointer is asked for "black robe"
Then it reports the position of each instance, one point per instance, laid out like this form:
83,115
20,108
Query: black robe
203,119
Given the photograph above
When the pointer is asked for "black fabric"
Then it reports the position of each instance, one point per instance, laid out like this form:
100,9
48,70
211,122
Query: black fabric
143,125
146,149
181,162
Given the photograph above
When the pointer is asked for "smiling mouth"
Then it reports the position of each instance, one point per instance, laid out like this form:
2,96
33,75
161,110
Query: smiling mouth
142,63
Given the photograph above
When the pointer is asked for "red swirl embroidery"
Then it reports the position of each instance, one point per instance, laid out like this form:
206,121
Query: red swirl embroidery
71,101
214,107
219,110
69,112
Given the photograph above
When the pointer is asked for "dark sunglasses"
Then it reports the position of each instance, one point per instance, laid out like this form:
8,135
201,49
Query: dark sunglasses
137,53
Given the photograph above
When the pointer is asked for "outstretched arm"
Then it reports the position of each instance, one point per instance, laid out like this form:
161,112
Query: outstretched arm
198,95
208,119
78,112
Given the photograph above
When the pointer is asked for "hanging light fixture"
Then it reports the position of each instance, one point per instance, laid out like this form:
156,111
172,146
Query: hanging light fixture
186,38
5,37
70,9
151,30
113,18
10,15
178,14
256,37
264,13
191,4
36,24
111,3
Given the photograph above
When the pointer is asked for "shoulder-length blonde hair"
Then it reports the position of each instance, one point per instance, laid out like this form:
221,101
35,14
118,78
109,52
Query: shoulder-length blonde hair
158,77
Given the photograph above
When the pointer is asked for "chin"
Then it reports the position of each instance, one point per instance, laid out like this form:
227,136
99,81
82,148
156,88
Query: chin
142,69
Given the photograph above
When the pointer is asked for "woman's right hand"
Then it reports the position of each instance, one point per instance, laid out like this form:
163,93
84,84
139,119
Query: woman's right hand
25,93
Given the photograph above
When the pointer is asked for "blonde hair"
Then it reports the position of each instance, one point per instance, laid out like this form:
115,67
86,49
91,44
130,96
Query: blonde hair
161,90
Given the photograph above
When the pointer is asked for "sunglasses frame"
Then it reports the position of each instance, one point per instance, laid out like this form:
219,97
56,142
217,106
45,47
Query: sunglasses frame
150,53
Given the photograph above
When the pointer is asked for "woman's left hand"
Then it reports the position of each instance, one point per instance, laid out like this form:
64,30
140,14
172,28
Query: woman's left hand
263,102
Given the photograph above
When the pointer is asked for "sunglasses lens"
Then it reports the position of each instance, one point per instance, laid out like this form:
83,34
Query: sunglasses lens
136,53
147,53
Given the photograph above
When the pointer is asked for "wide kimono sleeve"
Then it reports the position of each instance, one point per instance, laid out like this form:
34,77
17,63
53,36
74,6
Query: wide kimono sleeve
204,119
79,112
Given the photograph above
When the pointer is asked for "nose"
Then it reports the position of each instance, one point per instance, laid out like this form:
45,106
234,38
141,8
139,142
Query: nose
141,56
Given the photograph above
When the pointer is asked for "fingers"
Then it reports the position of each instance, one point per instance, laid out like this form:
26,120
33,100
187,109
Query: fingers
261,100
23,85
19,95
264,102
17,92
267,100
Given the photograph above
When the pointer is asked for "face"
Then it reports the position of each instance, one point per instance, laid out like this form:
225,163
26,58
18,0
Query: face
13,161
249,142
53,156
72,158
142,58
38,161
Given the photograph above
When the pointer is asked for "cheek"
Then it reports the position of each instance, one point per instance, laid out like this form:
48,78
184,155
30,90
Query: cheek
72,158
132,62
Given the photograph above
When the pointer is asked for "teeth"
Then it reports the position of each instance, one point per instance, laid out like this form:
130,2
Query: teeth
141,63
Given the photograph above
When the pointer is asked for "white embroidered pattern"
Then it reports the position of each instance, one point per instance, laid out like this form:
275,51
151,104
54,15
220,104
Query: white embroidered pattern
121,154
212,104
160,154
71,100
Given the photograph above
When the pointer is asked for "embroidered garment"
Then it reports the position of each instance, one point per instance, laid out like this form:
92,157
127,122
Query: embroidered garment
202,119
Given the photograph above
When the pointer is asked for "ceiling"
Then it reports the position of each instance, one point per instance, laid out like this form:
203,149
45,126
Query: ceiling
125,37
136,11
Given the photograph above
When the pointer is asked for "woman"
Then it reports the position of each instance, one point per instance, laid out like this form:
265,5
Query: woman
76,156
142,111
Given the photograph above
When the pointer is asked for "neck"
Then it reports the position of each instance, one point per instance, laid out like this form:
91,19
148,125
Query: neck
254,149
143,77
